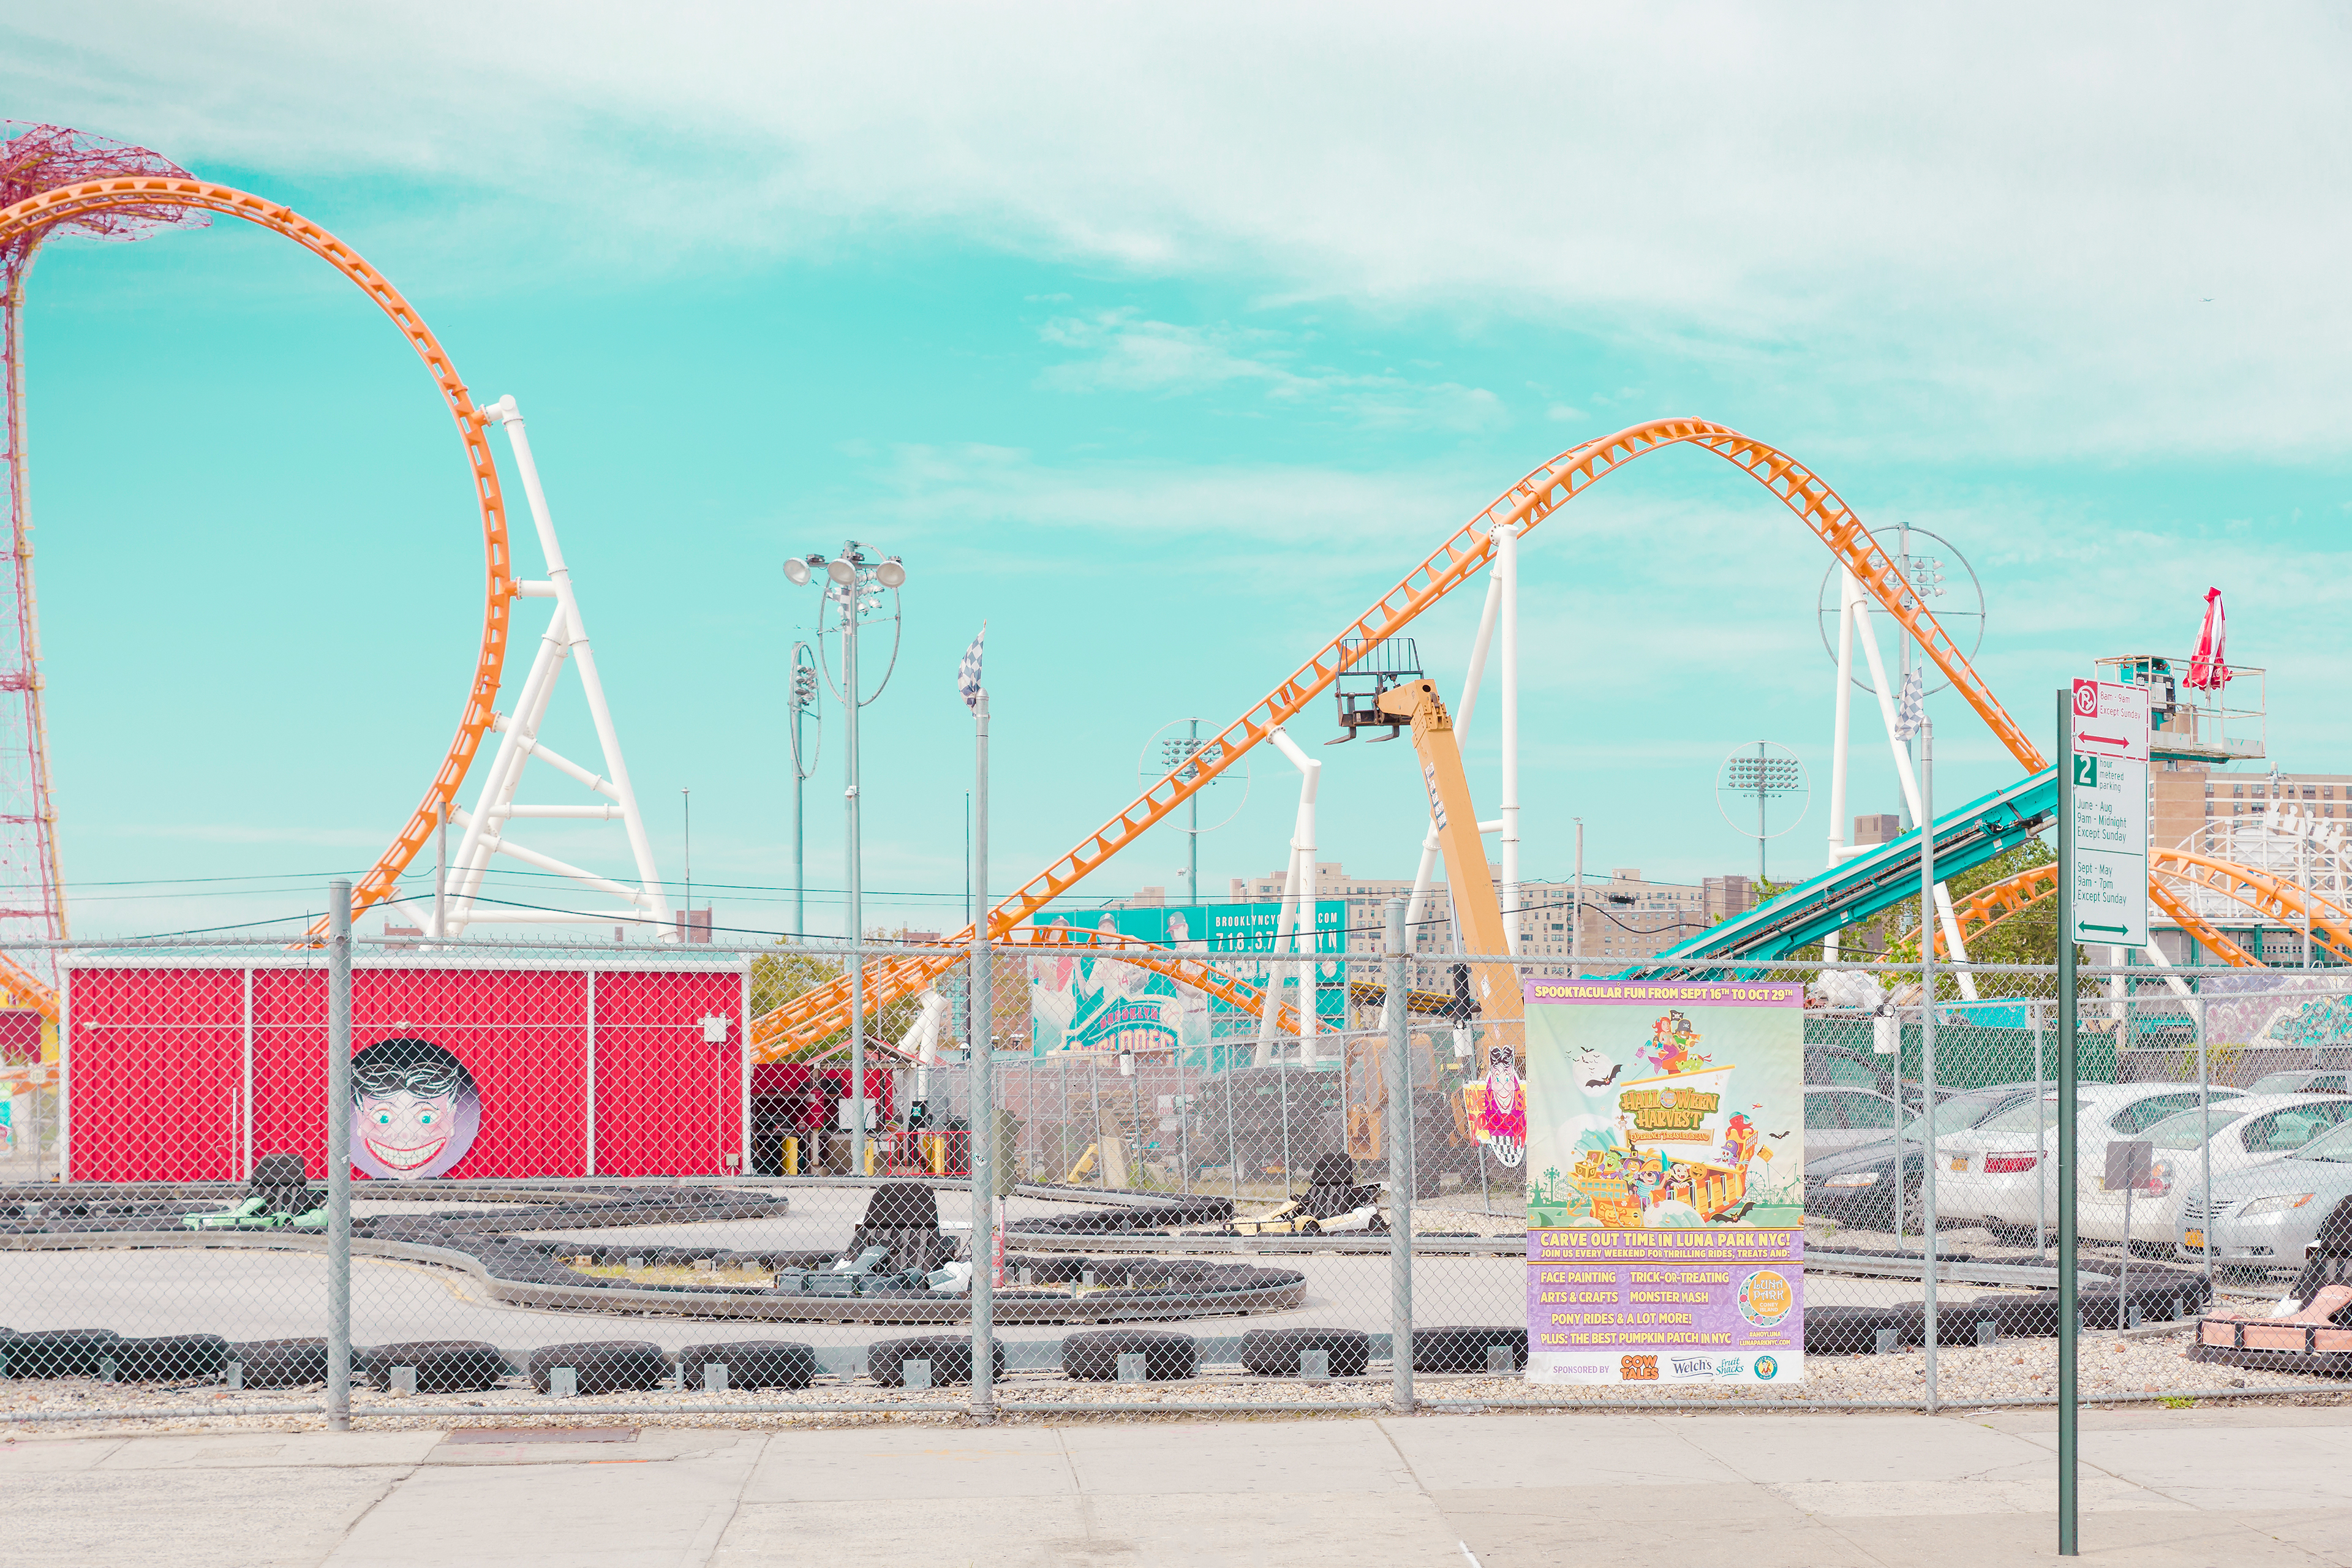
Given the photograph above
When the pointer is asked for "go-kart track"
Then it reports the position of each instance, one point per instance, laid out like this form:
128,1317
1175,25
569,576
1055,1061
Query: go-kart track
413,1280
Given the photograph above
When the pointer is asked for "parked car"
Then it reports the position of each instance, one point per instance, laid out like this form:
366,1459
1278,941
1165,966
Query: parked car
2005,1171
2250,1131
1857,1185
2267,1216
1839,1119
1837,1067
2304,1080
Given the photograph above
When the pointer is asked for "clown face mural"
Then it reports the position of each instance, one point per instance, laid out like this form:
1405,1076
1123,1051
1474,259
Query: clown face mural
416,1109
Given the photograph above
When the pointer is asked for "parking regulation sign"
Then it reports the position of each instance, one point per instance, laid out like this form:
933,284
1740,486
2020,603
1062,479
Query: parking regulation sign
2107,754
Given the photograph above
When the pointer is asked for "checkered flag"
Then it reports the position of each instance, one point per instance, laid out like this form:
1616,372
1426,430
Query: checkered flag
1910,716
968,676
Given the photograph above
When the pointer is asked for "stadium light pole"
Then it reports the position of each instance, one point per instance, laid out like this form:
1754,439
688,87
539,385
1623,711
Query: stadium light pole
854,586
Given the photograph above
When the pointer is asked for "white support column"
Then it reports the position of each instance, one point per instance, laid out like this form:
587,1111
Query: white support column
1302,847
1424,874
1842,731
1910,781
1506,572
1303,936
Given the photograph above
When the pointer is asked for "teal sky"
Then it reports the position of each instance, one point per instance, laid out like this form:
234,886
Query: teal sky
1165,345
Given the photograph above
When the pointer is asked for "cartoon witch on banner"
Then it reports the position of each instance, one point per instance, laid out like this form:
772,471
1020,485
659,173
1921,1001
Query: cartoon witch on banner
1496,1107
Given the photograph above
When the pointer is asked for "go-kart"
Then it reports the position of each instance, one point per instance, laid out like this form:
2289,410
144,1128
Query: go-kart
1335,1204
278,1197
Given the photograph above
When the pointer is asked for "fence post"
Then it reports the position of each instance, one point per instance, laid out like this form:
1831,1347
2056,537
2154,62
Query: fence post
1399,1141
2205,1153
339,1155
980,1056
1927,1052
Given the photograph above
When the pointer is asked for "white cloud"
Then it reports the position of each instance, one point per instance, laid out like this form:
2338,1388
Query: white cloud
1991,227
223,833
1119,350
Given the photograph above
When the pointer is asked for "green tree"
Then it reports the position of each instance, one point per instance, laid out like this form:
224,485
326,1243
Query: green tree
792,971
2030,936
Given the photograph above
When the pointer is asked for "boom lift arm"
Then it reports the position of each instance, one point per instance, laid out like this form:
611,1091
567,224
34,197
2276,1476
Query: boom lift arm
1495,987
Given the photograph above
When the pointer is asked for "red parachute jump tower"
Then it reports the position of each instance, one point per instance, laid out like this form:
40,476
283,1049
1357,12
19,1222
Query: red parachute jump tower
35,159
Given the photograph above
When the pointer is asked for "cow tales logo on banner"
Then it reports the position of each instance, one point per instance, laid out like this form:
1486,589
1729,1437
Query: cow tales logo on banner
1665,1194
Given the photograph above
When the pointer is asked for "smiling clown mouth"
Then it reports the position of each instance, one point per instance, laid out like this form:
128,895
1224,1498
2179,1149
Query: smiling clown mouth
407,1158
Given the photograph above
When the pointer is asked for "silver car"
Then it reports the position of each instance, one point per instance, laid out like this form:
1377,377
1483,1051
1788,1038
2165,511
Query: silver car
2312,1080
2266,1216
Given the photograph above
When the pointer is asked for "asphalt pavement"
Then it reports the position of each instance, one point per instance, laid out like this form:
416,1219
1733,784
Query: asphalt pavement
2160,1488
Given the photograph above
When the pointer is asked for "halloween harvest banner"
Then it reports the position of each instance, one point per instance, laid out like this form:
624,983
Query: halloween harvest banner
1665,1196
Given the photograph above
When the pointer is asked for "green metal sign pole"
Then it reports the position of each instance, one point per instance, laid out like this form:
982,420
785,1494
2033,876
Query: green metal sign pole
2069,1320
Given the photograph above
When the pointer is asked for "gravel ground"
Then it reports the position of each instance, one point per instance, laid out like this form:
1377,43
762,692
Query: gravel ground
2138,1363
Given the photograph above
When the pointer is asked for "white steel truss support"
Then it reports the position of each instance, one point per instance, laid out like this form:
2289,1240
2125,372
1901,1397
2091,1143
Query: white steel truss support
488,825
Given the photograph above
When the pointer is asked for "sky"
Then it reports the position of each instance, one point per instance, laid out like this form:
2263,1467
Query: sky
1164,341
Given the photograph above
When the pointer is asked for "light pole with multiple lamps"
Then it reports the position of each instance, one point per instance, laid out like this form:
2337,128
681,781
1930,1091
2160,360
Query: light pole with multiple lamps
854,585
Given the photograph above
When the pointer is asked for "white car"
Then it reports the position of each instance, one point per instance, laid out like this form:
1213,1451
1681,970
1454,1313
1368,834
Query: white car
2003,1171
2251,1131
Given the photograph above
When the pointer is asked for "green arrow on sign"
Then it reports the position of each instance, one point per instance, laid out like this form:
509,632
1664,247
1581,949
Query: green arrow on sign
2117,930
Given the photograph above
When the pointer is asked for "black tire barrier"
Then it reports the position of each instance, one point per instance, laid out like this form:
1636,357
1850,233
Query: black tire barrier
2028,1317
1956,1323
170,1358
949,1356
1850,1330
1128,1218
442,1366
1459,1348
1274,1353
603,1366
751,1364
2161,1299
281,1363
57,1352
2035,1316
1167,1358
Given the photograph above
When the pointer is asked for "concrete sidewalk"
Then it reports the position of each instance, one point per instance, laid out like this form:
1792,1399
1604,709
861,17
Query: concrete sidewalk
2160,1488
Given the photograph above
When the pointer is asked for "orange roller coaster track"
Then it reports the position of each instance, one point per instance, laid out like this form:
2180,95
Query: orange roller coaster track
2273,898
97,197
821,1013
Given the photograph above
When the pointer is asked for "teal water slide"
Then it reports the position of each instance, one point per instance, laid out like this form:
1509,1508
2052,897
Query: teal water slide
1868,883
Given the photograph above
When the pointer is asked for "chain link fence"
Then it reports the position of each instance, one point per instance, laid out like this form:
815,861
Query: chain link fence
593,1180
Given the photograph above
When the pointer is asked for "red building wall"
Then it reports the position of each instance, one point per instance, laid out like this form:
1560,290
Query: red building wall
155,1065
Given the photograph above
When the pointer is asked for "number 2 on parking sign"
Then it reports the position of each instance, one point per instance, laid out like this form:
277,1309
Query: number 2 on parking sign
2086,772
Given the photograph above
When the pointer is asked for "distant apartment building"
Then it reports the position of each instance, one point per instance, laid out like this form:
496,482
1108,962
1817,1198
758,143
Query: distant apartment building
1625,916
2190,800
